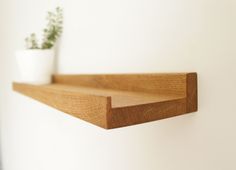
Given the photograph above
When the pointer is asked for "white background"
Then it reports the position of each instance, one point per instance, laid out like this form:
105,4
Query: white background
109,36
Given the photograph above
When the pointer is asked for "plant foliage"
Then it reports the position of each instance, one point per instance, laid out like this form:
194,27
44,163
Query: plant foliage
51,33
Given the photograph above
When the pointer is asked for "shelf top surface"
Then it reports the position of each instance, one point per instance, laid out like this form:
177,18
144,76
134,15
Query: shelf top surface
119,98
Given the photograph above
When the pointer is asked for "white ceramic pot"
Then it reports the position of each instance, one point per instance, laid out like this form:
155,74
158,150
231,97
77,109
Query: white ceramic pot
36,66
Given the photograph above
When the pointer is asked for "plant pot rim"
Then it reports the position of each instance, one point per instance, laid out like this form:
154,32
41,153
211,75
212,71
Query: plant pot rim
37,49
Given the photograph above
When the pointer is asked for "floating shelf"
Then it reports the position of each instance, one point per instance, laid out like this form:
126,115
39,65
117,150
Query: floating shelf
118,100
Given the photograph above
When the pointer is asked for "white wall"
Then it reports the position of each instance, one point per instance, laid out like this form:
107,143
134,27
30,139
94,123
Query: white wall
124,36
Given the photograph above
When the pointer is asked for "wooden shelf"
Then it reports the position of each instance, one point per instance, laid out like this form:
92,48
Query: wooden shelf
117,100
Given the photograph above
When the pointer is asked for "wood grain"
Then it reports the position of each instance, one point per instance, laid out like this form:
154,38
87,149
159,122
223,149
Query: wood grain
152,83
118,100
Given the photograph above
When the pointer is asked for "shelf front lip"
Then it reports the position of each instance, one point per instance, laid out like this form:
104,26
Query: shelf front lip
113,115
123,117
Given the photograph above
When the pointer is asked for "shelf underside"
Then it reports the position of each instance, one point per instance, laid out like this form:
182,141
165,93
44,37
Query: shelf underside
88,97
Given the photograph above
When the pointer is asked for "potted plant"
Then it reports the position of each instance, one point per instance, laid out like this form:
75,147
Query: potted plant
36,62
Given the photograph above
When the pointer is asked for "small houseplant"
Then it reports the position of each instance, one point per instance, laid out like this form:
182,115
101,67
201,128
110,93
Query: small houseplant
36,63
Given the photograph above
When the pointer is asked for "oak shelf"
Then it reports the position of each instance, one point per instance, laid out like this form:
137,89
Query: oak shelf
118,100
